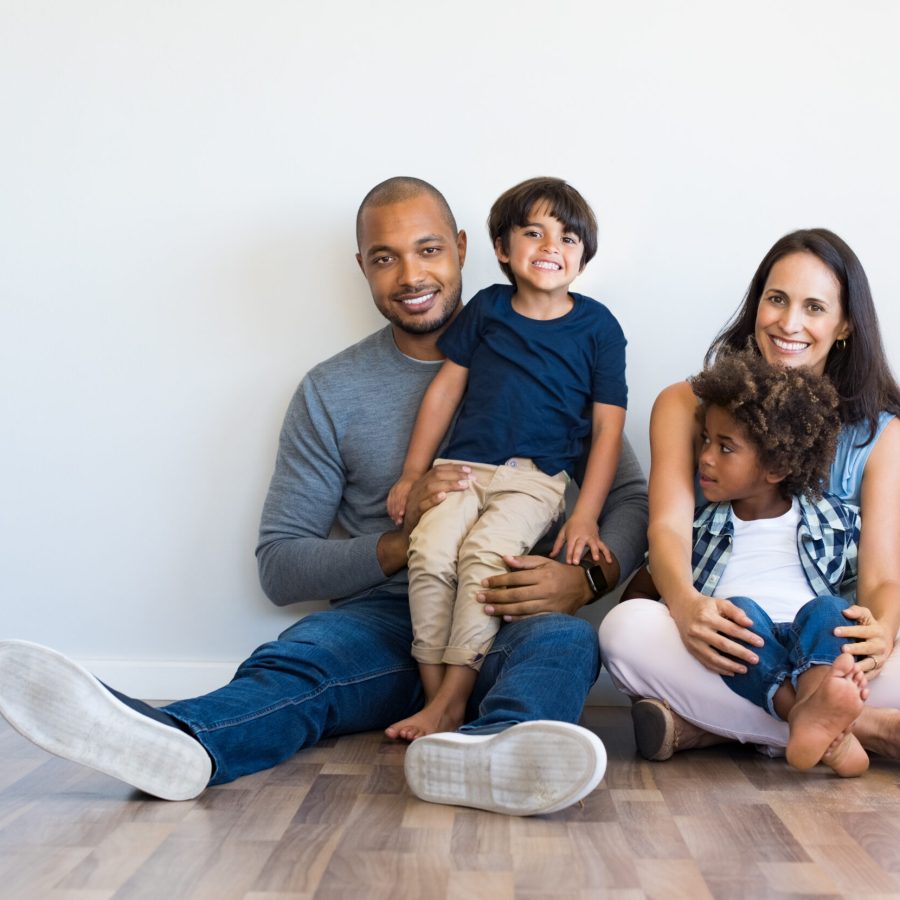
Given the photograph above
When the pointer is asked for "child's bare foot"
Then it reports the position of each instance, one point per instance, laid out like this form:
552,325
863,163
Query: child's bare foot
819,719
434,717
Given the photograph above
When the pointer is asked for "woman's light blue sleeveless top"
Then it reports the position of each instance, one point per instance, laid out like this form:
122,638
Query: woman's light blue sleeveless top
850,459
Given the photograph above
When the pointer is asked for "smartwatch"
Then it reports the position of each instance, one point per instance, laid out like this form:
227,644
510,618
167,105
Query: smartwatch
595,578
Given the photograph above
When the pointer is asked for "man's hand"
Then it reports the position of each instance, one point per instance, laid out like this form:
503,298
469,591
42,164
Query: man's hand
534,584
710,627
430,490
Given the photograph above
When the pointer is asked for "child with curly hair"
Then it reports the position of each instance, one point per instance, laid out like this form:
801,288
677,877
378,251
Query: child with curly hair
768,532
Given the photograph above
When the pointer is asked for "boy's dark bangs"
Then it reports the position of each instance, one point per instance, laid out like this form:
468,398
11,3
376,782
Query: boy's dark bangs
562,205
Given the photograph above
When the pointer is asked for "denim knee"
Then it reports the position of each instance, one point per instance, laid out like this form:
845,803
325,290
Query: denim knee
826,606
813,628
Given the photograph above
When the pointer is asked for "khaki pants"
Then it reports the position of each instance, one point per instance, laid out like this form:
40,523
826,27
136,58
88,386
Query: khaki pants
505,511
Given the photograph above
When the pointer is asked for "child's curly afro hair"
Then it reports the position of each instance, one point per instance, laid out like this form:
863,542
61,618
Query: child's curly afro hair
789,414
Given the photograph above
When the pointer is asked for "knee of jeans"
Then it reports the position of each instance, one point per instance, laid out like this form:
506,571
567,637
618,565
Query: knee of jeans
824,605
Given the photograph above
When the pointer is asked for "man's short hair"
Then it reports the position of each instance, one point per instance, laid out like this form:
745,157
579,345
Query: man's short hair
514,207
399,189
788,413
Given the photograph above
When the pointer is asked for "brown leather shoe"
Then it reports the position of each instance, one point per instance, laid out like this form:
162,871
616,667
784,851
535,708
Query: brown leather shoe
654,729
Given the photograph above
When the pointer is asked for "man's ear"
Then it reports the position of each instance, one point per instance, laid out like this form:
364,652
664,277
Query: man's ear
502,255
359,262
462,242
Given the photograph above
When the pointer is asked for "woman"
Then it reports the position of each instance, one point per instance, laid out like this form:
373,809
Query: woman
809,304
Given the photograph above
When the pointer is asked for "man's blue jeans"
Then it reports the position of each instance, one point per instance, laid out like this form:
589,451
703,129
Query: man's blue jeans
790,647
349,669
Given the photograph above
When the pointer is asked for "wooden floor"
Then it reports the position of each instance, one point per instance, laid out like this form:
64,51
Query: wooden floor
337,821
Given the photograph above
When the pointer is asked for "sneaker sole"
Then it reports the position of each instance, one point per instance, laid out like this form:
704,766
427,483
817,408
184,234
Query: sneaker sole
62,708
529,769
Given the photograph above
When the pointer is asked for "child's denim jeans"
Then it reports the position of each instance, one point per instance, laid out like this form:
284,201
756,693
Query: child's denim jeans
790,647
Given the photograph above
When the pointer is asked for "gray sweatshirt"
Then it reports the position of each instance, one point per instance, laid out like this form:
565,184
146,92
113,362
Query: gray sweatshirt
341,449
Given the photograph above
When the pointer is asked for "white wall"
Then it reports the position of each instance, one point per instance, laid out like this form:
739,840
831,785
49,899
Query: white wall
178,183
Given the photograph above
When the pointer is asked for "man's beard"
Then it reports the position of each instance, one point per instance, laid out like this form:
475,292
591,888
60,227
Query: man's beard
427,326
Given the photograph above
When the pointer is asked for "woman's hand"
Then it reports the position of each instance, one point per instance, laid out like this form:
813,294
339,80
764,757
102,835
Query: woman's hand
869,640
710,628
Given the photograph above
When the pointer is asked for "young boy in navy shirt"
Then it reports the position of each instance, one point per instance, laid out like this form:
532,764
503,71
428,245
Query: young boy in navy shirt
535,372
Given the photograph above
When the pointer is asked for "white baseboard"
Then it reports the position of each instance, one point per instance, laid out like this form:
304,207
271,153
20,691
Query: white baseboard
163,680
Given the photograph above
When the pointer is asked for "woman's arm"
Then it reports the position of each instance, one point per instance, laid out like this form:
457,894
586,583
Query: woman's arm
673,442
878,589
706,624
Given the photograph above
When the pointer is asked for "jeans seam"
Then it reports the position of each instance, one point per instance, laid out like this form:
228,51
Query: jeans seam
295,701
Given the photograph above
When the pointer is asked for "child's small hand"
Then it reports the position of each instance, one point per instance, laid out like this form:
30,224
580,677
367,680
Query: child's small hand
579,535
397,497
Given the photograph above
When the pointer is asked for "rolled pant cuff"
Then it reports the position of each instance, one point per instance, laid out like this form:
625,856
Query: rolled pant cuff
429,656
465,656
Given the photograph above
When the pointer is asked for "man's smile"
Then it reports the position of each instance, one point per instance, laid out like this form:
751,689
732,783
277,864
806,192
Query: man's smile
417,299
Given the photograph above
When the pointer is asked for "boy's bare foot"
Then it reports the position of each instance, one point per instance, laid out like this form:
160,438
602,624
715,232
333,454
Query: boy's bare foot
821,718
434,717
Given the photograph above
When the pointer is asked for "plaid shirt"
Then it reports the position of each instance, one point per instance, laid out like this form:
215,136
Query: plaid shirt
827,543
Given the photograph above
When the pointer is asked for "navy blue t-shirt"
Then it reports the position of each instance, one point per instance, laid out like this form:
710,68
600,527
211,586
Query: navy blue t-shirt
532,383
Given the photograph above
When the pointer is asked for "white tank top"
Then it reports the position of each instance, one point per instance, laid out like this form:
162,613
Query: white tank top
765,565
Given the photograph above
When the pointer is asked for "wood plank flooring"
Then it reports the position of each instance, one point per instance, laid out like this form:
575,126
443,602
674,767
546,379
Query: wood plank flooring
338,822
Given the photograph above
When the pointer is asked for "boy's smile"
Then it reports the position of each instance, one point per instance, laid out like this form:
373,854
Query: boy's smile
544,257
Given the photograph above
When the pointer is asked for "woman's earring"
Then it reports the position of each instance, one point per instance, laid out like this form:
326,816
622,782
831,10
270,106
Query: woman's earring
841,344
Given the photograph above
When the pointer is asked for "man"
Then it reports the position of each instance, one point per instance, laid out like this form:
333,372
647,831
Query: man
349,669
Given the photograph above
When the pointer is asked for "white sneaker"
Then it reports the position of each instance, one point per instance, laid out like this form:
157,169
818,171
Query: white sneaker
528,769
61,707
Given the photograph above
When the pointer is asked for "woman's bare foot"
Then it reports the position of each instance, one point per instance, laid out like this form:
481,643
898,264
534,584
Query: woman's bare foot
878,730
432,718
823,716
845,756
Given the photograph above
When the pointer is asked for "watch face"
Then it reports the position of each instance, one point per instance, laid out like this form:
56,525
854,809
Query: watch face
597,579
